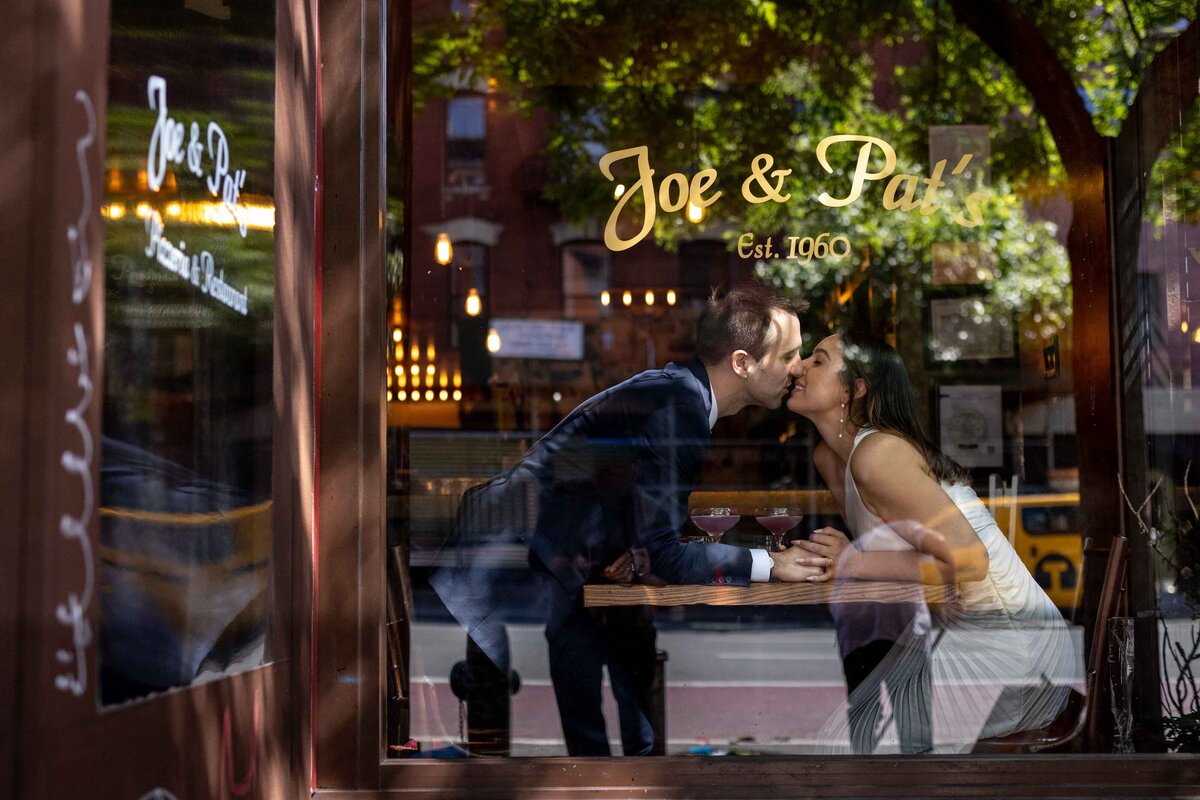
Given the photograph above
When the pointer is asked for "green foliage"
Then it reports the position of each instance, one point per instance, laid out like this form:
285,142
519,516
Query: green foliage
711,83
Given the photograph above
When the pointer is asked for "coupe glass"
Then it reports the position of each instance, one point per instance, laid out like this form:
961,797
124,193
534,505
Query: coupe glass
715,521
778,520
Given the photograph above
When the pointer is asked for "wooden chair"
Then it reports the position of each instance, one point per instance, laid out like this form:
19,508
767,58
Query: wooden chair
1078,726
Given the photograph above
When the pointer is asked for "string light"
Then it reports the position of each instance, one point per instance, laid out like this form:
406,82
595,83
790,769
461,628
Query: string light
695,213
670,297
443,379
402,395
429,394
457,379
620,190
493,340
457,395
605,298
473,305
649,298
401,378
1183,326
397,335
627,298
443,251
443,394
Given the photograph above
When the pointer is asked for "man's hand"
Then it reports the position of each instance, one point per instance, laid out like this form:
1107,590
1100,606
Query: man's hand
621,570
790,567
633,564
826,547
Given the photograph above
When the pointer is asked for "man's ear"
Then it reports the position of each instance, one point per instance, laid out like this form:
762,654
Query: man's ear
860,388
739,360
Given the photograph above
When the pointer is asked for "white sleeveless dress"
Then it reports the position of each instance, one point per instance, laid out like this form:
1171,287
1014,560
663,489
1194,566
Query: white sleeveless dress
1002,658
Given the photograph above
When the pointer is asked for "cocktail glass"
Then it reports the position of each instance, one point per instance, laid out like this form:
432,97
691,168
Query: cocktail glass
778,520
715,521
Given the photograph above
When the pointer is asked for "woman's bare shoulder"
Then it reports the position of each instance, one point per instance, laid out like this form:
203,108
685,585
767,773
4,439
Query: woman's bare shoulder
884,456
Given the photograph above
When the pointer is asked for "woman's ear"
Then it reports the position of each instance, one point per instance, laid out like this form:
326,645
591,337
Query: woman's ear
860,388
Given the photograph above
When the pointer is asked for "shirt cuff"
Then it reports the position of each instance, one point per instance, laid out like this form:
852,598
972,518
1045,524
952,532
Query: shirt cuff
760,567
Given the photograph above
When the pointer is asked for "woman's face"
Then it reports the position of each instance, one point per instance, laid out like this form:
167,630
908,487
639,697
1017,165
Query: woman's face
819,388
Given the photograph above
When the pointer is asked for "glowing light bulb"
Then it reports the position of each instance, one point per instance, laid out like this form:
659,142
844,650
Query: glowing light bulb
401,395
694,212
401,378
429,394
627,298
649,298
389,395
1196,338
620,190
443,251
457,395
443,394
493,341
473,305
143,210
430,352
397,335
416,370
116,211
605,298
173,209
670,297
416,352
1183,326
398,353
457,379
443,379
399,370
389,379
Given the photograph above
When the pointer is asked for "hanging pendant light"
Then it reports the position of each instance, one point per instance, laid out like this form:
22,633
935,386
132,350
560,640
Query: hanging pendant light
473,305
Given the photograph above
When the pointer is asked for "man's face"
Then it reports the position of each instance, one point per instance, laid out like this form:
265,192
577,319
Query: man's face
769,381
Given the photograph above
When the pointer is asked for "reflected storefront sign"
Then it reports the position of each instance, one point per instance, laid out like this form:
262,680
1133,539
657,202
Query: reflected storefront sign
189,289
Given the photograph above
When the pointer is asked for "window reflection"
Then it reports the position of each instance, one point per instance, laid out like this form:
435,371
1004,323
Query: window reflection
956,248
189,286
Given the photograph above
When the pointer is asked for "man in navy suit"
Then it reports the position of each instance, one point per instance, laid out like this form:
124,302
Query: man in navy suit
613,478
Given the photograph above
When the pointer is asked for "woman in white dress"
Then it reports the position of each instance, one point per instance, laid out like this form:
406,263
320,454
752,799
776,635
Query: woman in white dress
1000,658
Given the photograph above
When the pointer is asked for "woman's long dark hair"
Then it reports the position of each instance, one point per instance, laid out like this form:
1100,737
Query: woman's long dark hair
890,404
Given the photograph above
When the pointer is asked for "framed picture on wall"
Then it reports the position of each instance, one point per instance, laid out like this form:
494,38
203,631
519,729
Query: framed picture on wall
962,328
970,425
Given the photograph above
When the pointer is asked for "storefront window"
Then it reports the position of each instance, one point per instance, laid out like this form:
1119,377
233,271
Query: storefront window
189,261
899,181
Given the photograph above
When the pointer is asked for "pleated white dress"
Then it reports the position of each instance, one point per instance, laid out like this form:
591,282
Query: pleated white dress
1002,658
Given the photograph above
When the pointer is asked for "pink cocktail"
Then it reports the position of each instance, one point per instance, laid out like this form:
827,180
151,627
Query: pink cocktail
715,521
778,521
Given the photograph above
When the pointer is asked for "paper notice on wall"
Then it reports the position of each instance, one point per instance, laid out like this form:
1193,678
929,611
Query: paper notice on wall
971,425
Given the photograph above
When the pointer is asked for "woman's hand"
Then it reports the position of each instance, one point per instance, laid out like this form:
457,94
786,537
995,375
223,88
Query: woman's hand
826,548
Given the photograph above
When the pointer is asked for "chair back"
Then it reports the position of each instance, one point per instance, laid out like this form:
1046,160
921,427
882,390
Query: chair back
1111,594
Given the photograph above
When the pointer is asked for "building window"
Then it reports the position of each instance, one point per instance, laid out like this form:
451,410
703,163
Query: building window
703,266
586,274
466,142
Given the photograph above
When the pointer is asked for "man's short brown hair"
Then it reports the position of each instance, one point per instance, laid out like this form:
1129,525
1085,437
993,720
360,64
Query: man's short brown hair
740,319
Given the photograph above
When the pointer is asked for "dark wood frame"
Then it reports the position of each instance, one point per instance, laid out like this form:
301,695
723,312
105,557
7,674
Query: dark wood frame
237,734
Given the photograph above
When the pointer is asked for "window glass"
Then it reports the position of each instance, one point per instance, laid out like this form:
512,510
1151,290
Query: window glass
584,549
189,263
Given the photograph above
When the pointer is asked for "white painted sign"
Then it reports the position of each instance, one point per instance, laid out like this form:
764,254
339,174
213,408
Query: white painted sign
539,338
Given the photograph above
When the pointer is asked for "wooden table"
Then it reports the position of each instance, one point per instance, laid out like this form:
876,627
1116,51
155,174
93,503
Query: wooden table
762,594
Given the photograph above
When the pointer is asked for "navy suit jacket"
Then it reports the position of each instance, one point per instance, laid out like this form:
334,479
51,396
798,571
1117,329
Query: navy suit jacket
615,473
